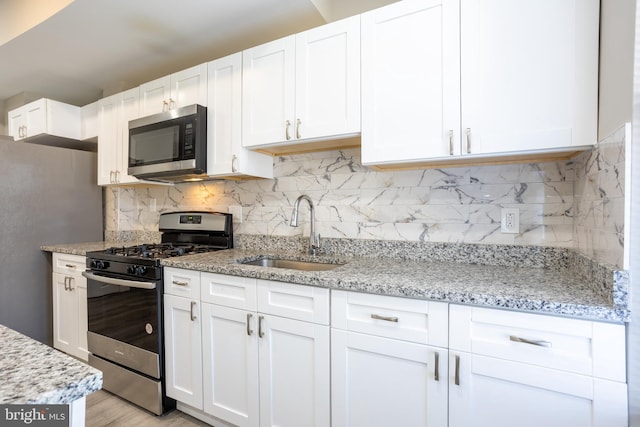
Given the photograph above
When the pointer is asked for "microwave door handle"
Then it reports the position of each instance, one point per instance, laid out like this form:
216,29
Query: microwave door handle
119,282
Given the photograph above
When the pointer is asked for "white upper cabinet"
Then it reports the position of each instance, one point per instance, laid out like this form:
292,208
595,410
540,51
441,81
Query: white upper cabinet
410,81
225,154
45,116
303,87
176,90
529,74
469,80
114,113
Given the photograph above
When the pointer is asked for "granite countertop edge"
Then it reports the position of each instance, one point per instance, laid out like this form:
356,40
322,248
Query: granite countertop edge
34,373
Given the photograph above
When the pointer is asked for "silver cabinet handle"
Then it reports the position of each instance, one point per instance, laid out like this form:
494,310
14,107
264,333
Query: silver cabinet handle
66,283
193,316
249,330
172,103
70,266
538,343
260,332
111,177
70,283
451,142
468,140
287,124
456,379
175,282
298,123
234,160
436,362
117,177
165,105
385,318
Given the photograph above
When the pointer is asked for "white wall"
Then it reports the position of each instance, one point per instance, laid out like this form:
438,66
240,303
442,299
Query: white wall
617,23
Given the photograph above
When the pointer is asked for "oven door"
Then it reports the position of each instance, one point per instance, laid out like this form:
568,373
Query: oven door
125,324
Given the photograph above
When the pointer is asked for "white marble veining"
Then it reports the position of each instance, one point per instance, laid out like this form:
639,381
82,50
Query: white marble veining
31,372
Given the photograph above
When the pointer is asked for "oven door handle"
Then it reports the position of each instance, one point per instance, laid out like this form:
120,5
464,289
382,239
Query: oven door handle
119,282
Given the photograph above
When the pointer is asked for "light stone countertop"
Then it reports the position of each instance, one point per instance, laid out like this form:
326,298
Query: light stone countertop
539,290
529,285
34,373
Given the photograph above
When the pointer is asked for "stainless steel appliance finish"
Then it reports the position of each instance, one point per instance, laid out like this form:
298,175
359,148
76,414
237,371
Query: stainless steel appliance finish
169,146
125,299
48,196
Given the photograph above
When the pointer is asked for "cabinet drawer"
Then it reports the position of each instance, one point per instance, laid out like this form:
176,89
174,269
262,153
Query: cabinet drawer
300,302
183,283
573,345
230,291
69,264
419,321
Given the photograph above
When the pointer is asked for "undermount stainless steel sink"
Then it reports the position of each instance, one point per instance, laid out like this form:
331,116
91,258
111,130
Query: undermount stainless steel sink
293,265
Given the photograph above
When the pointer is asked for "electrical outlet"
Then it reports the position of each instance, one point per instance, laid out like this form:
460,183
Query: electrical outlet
510,220
236,211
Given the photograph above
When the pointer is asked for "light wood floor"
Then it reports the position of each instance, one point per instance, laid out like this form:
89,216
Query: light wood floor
105,409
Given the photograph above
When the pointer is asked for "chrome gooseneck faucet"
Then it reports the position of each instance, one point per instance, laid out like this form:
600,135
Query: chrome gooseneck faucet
314,240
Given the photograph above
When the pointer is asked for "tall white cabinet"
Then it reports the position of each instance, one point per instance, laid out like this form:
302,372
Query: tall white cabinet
304,86
114,113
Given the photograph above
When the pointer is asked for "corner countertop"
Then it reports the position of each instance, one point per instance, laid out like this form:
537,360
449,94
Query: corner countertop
77,248
530,289
34,373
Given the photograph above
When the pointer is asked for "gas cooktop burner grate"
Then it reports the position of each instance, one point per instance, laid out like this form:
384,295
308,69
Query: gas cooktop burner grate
159,250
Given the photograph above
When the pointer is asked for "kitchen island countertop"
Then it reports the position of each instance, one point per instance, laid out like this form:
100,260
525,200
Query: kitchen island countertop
34,373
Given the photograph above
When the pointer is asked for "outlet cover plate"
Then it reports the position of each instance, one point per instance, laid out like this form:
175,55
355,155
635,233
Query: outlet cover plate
510,220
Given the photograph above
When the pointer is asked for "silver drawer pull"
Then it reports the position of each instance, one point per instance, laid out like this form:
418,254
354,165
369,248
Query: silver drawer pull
192,311
538,343
456,378
70,266
436,373
385,318
249,330
175,282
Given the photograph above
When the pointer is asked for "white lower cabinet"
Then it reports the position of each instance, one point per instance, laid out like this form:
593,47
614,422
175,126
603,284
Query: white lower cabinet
383,372
183,349
264,357
523,369
70,305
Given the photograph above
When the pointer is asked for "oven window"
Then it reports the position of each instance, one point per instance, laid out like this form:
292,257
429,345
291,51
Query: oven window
154,146
129,315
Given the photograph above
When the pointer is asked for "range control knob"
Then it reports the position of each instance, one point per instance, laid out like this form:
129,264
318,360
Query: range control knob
131,269
101,265
141,270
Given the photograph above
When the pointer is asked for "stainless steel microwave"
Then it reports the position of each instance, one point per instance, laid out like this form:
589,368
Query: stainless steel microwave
170,146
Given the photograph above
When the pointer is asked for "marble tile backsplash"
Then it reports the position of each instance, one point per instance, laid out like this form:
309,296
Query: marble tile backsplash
571,204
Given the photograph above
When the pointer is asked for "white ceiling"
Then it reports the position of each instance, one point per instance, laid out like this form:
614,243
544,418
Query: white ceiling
93,48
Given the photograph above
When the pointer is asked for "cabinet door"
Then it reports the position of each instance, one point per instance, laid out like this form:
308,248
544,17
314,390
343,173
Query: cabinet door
65,313
268,92
294,373
154,96
17,121
107,139
410,81
491,392
328,80
128,106
230,364
189,87
529,74
183,350
36,117
224,115
384,382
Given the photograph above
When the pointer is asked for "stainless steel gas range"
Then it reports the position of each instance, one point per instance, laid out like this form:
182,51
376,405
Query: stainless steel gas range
124,303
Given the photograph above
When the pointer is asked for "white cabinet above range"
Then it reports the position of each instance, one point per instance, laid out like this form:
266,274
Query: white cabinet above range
185,87
303,89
